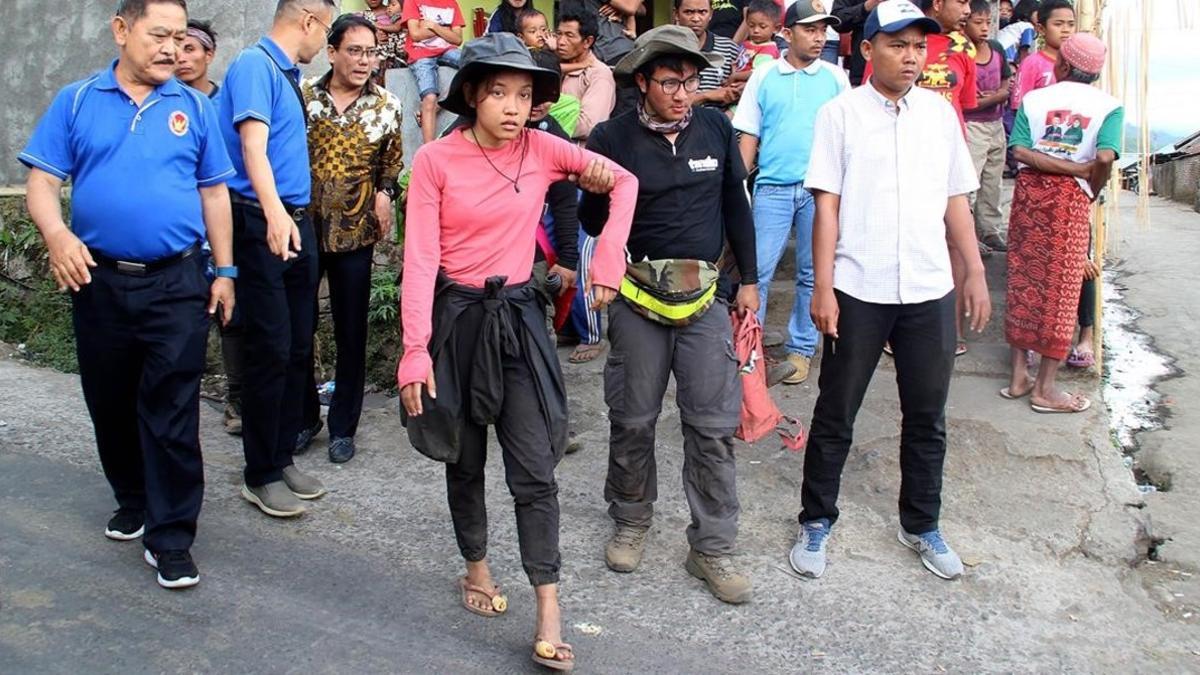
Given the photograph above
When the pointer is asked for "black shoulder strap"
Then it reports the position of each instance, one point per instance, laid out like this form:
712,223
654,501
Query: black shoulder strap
294,83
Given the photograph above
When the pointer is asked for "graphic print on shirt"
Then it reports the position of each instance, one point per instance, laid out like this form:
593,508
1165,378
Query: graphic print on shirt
1064,132
442,16
938,76
703,165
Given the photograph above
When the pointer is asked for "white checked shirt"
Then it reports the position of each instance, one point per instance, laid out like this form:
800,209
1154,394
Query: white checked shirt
895,167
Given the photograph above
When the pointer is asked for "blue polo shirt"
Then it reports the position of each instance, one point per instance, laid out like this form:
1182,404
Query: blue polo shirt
779,105
256,87
135,170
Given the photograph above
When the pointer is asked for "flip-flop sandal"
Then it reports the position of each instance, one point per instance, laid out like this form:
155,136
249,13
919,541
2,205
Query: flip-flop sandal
1007,393
1079,359
499,601
588,353
546,654
960,348
1079,404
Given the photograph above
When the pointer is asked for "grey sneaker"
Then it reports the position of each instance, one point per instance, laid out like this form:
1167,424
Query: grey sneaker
936,554
808,555
274,499
723,580
624,550
301,484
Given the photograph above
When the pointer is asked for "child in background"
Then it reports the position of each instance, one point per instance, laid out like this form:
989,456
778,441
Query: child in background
534,30
763,21
389,34
985,127
1055,23
435,31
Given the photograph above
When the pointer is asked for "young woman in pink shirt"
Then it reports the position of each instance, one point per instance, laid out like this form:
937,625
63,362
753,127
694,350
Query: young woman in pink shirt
476,346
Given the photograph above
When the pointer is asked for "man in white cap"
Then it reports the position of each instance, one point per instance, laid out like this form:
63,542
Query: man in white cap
890,173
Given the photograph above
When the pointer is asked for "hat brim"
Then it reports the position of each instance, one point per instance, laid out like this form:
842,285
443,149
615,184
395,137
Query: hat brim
832,20
546,84
640,56
930,26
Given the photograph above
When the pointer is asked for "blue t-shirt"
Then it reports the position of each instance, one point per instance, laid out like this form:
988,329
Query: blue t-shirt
256,87
136,171
779,105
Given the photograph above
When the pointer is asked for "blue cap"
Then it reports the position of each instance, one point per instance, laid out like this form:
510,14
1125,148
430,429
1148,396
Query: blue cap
894,16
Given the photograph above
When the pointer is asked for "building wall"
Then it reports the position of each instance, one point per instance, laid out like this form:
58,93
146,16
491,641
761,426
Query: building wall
47,45
1179,180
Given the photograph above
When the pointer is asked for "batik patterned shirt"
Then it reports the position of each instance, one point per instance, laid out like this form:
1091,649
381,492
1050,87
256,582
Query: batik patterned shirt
354,154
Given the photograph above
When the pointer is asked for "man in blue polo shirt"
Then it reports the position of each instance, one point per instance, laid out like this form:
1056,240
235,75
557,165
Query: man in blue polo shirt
148,170
776,116
263,122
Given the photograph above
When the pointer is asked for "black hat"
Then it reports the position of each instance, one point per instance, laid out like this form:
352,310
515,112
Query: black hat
492,52
808,11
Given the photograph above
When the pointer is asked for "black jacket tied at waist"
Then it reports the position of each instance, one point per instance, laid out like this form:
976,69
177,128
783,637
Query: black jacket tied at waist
476,332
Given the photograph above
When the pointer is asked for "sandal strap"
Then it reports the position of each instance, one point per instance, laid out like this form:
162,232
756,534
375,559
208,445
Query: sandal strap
472,588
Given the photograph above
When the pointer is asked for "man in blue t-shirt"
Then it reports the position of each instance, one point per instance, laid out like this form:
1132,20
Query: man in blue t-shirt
263,122
776,116
148,172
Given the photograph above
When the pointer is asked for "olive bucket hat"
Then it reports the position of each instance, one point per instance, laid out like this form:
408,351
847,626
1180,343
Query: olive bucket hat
496,52
665,41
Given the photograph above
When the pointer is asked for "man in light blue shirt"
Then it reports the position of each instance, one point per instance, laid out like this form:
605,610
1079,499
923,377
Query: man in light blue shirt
776,114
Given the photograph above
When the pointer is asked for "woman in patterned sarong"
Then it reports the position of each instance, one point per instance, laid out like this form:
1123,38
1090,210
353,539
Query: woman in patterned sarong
1050,226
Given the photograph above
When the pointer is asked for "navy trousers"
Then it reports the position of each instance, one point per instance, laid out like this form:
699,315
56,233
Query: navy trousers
141,346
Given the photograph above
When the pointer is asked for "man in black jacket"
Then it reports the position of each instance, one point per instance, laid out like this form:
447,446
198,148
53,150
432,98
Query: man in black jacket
670,318
853,16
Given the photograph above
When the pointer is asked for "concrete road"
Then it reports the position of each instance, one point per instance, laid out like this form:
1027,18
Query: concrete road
1041,507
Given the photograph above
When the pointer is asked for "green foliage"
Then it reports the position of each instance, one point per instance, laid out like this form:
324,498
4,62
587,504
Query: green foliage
385,297
32,310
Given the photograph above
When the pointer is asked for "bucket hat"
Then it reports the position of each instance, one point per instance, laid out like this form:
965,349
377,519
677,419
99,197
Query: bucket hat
498,51
665,41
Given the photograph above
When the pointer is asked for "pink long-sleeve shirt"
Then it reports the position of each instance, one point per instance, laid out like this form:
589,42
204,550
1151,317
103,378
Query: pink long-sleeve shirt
467,219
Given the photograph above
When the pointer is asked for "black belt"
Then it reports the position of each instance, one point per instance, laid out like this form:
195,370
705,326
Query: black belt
296,212
141,269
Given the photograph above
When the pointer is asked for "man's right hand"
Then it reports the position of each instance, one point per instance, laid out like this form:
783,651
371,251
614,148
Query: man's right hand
825,312
282,231
69,260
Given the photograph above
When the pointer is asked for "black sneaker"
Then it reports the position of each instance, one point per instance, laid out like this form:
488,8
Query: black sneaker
175,568
341,450
126,525
306,436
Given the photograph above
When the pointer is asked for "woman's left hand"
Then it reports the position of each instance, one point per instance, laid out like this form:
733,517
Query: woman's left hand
384,213
602,296
597,178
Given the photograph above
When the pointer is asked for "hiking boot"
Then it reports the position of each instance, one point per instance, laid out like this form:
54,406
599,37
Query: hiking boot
340,450
175,568
574,445
724,581
936,554
624,550
126,525
772,338
996,243
800,362
306,436
274,499
779,371
808,554
233,420
302,484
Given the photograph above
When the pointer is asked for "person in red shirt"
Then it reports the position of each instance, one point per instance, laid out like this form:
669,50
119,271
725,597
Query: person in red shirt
435,30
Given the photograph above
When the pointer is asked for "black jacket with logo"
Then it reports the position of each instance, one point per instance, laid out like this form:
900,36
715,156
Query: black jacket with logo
691,194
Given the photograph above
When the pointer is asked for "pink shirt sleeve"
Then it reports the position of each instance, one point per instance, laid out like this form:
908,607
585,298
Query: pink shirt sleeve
608,262
422,258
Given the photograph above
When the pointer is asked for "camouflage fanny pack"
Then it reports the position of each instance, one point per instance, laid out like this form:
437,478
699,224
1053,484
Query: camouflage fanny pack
670,292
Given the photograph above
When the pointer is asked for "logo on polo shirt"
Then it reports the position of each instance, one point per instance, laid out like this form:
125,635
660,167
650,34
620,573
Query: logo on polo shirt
703,165
177,122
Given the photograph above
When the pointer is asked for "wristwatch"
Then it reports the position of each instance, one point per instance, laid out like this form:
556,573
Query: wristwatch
229,272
